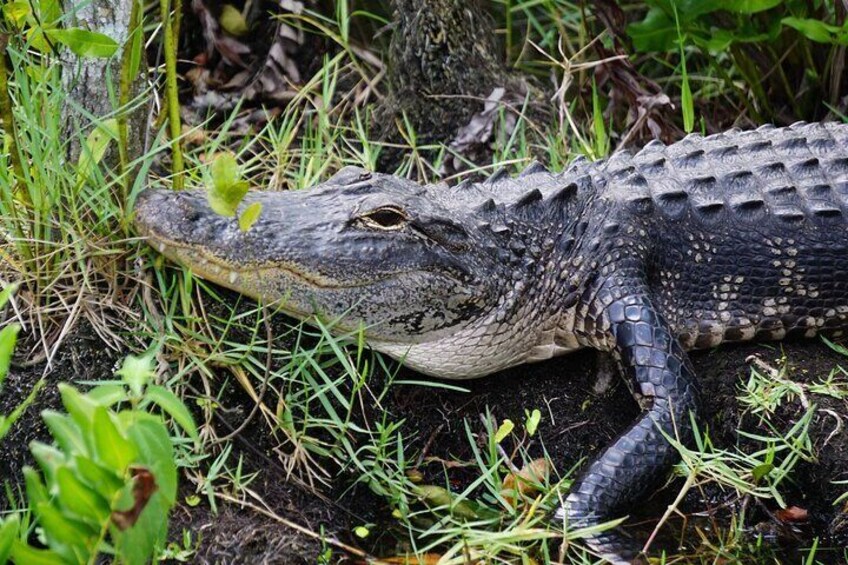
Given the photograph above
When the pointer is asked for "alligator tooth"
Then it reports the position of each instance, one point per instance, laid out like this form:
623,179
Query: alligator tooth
161,248
233,277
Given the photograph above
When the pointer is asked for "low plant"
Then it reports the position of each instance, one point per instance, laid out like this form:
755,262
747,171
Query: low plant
784,51
107,483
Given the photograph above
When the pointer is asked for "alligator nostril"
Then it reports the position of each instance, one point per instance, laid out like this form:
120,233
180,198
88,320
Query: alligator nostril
192,215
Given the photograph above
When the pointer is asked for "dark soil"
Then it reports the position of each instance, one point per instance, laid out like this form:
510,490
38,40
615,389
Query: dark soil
83,357
576,423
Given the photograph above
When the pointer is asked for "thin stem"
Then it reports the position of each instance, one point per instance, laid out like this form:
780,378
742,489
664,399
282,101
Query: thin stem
8,117
127,79
171,93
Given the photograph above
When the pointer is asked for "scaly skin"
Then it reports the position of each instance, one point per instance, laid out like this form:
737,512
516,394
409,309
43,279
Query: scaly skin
732,237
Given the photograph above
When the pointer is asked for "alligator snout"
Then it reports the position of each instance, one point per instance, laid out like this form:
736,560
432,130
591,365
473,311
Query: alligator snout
179,218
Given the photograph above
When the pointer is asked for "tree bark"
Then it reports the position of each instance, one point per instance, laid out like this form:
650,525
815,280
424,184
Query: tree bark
444,63
93,84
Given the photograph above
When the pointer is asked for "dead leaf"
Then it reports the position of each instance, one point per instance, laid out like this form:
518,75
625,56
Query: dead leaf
478,133
792,514
435,496
143,488
235,67
526,481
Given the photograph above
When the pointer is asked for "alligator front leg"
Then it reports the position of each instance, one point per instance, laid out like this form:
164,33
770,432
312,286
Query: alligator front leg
640,458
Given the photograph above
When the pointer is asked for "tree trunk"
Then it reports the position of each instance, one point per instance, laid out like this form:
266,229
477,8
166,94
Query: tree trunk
444,64
89,81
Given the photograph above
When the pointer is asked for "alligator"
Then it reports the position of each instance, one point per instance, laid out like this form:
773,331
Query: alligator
729,237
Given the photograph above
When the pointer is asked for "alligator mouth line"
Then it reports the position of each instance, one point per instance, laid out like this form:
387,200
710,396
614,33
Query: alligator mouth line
199,258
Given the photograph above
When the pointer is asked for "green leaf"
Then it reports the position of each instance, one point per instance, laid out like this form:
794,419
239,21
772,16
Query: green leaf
226,190
224,169
760,471
16,13
504,430
79,500
49,459
83,42
94,148
113,449
136,47
838,348
66,432
7,293
22,553
35,490
174,407
361,532
8,335
103,480
107,395
8,339
78,406
138,544
6,422
656,32
747,6
62,529
49,11
814,30
689,10
601,139
249,216
719,41
686,102
8,534
137,372
232,20
532,423
36,40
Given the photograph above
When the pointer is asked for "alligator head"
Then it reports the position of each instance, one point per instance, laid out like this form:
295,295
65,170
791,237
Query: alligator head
416,267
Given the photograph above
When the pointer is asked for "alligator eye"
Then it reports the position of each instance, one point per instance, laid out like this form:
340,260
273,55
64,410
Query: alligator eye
386,218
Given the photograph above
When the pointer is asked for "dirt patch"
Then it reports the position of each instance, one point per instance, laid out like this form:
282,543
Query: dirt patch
83,357
812,486
242,535
576,423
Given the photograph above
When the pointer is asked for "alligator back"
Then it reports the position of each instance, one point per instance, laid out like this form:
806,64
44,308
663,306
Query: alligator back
747,232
